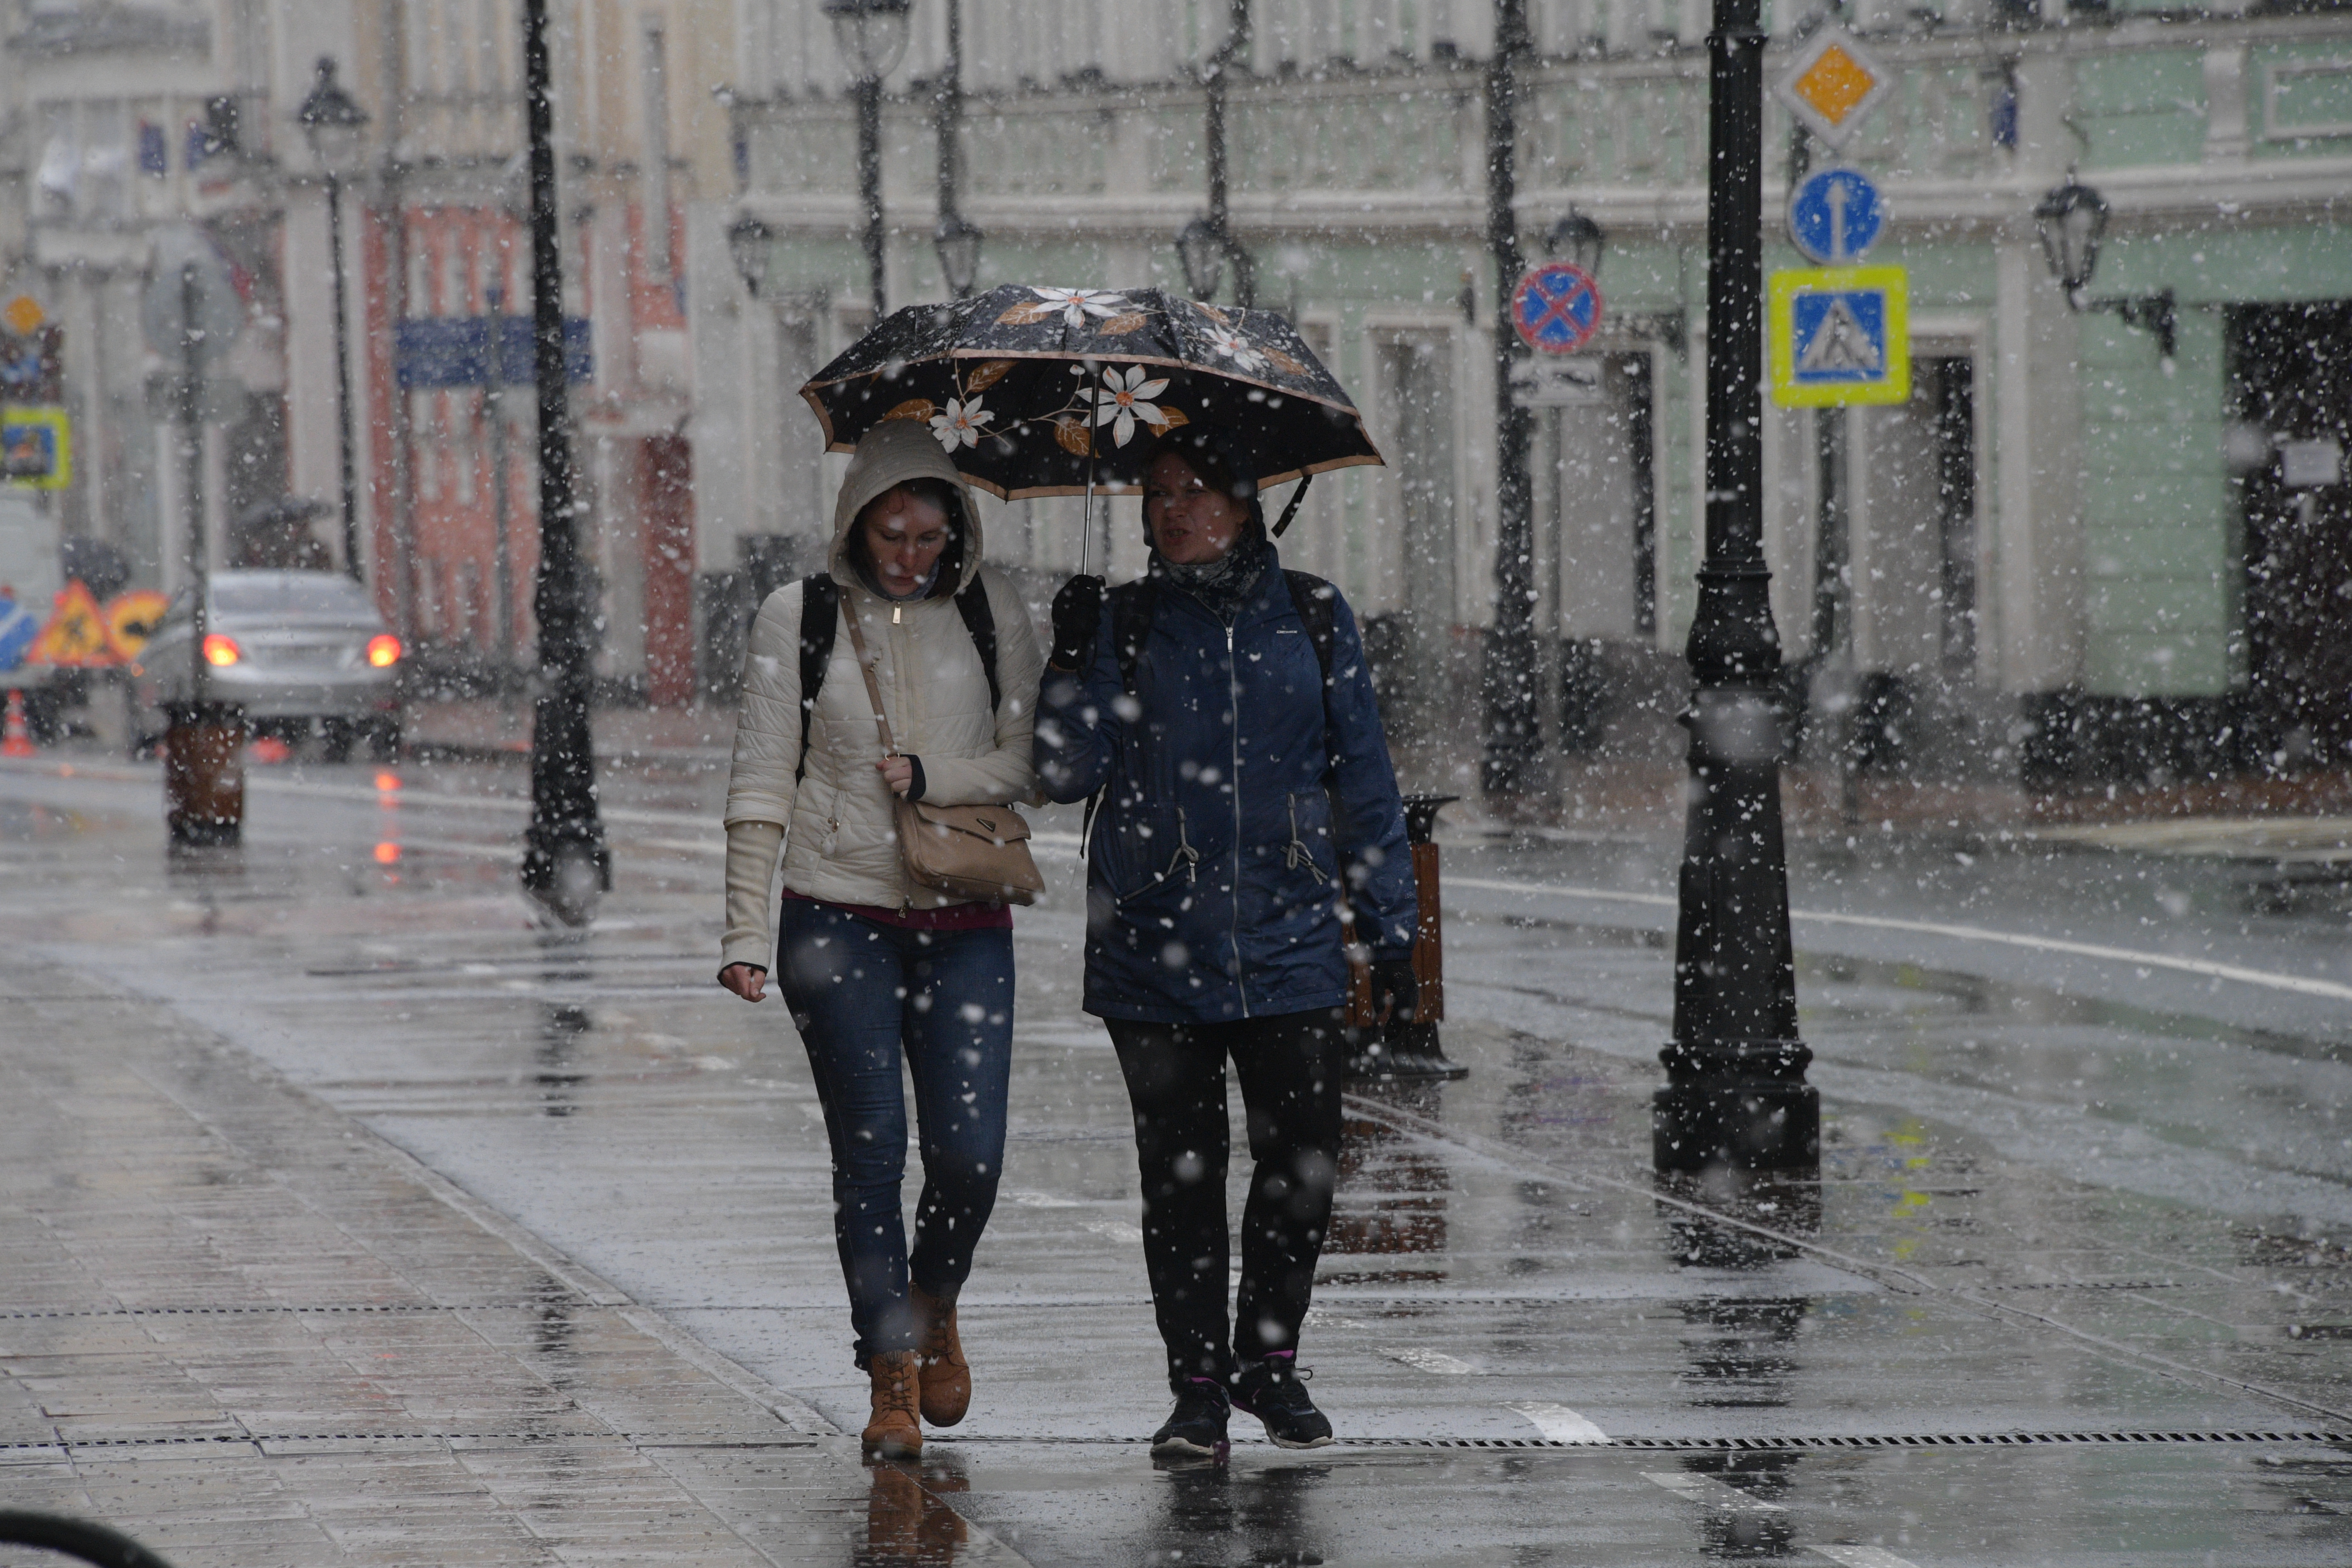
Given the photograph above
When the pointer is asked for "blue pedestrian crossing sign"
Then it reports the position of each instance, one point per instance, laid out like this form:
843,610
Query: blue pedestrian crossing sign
1835,215
1555,308
1839,335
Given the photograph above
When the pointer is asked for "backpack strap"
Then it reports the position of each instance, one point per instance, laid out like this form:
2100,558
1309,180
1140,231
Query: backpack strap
820,624
980,620
1316,600
1132,606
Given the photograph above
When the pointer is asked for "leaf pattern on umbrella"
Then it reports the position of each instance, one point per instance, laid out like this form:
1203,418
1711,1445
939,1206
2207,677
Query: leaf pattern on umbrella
1073,378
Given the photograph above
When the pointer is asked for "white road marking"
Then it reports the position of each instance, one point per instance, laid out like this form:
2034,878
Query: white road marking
1428,1361
1558,1422
1861,1556
1710,1493
1116,1230
1030,1200
2302,984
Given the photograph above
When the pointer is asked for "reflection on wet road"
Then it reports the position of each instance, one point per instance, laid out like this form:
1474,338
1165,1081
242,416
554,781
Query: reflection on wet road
2042,1305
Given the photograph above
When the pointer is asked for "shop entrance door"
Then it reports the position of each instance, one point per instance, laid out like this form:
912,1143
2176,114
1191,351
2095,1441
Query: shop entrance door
2292,382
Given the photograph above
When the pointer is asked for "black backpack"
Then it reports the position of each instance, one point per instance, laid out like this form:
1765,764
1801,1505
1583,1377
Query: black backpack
821,623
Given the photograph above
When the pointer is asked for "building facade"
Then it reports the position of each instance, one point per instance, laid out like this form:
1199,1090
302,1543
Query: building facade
2087,546
153,126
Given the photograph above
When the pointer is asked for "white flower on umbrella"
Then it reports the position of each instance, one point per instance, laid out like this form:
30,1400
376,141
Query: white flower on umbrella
1125,397
959,424
1236,348
1077,304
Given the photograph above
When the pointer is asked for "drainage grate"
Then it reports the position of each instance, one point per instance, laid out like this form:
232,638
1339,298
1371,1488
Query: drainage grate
234,1439
1774,1444
569,1303
2087,1285
1779,1443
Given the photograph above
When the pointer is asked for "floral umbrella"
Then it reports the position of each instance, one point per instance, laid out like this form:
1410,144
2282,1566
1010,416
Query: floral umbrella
1045,392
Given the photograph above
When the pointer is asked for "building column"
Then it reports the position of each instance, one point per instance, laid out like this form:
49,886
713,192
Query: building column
2038,464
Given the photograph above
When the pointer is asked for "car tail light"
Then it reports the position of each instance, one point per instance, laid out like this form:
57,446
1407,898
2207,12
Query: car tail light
383,652
221,651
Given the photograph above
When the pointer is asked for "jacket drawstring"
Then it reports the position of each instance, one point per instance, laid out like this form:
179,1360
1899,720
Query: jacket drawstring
1185,856
1298,854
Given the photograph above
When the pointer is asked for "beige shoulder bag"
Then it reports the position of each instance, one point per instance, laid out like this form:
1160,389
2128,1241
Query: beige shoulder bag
964,851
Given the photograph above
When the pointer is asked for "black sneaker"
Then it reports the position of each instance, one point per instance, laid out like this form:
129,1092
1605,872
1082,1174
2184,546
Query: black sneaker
1195,1429
1272,1389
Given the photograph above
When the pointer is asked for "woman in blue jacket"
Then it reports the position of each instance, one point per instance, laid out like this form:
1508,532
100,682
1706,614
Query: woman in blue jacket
1249,818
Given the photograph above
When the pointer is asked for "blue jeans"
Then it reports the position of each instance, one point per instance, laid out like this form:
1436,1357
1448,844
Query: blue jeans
862,994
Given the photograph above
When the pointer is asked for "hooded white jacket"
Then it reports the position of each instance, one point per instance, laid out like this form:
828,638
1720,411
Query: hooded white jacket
839,836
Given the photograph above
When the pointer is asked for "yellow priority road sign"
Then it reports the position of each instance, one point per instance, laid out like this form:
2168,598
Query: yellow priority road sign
1839,335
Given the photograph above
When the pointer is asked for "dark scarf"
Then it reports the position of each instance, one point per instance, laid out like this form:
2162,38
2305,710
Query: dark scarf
1224,584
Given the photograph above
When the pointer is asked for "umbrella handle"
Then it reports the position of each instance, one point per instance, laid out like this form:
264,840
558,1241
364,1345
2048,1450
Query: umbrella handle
1291,510
1087,524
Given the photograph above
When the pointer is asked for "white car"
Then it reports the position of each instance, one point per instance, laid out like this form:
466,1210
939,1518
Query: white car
298,649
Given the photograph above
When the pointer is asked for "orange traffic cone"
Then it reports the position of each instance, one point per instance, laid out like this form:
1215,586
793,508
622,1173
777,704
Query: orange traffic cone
16,740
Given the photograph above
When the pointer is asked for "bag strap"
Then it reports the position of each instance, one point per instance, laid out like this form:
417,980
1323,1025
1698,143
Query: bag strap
820,622
873,687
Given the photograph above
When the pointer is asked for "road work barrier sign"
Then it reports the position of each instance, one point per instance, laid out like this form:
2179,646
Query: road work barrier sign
1839,335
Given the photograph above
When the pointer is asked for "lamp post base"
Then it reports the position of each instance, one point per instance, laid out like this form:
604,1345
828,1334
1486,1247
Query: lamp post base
204,774
1745,1106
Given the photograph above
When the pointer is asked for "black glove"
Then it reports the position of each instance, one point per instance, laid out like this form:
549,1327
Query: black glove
1396,991
1077,618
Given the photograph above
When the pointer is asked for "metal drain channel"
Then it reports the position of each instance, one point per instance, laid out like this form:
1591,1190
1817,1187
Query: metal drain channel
36,1315
1782,1443
1773,1444
218,1440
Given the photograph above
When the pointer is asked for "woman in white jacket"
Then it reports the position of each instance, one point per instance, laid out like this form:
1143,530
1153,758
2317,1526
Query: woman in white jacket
875,966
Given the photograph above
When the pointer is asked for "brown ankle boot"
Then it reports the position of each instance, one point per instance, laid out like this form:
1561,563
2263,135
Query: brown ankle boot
947,1379
893,1433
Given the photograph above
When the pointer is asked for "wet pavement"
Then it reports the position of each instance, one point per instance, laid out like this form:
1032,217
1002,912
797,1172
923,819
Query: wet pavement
2073,1288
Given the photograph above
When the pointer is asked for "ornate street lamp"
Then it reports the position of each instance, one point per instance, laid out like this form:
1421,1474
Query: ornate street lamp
872,35
1511,766
1200,247
957,242
1736,1093
566,864
2072,220
749,242
336,129
1577,240
1204,244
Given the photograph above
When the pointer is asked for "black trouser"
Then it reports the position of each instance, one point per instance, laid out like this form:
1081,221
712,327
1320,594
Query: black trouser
1290,1068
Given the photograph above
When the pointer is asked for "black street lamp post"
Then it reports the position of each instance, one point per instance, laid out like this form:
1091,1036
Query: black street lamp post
1514,735
872,34
566,864
957,241
1206,244
335,126
1736,1093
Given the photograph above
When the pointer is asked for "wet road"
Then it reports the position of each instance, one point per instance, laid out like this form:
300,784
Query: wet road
2078,1248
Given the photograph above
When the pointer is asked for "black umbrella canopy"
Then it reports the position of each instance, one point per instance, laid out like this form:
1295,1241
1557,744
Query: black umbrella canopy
1036,391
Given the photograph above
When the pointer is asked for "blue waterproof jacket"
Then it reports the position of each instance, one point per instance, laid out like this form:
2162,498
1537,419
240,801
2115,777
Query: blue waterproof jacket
1216,871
